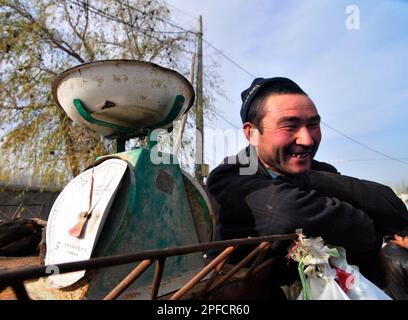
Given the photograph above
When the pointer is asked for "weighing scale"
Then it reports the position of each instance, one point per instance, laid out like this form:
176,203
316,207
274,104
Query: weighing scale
124,202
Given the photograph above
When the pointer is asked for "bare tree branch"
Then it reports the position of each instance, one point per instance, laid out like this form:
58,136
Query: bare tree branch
46,33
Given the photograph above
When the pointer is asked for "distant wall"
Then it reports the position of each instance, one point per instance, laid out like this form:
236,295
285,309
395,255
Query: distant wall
31,203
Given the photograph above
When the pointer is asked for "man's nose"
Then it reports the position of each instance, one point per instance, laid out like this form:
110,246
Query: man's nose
304,137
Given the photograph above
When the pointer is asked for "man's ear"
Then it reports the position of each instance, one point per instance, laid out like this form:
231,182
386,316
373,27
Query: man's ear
251,133
398,238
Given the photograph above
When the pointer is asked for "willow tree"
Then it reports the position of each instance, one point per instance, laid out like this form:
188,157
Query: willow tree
40,39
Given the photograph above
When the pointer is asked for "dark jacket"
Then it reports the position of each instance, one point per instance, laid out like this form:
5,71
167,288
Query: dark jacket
344,211
397,259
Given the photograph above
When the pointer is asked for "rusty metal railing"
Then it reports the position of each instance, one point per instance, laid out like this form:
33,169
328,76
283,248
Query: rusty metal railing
15,278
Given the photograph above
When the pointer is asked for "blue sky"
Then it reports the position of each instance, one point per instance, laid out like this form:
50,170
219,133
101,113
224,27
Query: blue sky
357,78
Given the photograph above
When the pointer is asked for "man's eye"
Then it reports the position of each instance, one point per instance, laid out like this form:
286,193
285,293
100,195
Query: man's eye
314,124
290,127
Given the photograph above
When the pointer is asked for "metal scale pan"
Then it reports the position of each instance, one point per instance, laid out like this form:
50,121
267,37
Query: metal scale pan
123,96
124,203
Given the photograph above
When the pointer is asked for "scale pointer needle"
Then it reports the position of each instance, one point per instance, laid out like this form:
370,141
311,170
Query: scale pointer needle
76,230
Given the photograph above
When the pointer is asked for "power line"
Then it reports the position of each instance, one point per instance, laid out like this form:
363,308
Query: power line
108,16
361,160
226,120
80,3
157,18
229,59
185,12
93,9
374,159
364,145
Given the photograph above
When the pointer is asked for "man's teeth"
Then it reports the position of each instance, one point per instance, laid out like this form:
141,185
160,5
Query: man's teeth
299,155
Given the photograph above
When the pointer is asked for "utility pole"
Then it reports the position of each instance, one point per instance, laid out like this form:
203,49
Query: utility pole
199,158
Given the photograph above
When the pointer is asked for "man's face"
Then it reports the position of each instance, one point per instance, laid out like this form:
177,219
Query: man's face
291,134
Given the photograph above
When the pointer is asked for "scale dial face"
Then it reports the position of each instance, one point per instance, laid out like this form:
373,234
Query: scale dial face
82,204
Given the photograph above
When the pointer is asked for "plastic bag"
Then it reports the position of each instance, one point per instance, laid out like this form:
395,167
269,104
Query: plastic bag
324,289
357,286
326,275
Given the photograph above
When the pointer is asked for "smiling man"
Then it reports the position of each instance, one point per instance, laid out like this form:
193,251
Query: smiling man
274,186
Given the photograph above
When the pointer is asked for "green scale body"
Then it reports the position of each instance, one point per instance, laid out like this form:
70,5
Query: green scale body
156,207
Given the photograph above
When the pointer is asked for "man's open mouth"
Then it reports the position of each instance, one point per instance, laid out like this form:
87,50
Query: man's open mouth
299,154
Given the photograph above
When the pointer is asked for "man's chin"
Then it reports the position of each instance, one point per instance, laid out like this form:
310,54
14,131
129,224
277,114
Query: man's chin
296,169
291,166
299,171
292,170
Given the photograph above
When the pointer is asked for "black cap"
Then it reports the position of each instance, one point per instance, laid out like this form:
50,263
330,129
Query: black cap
285,86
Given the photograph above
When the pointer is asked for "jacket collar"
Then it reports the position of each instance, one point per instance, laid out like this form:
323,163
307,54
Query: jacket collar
248,156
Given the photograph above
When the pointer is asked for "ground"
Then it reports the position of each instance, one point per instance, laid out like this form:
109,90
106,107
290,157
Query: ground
8,263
